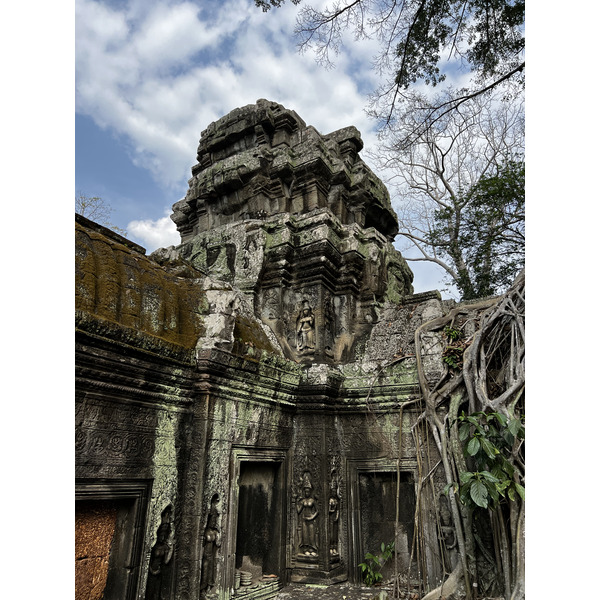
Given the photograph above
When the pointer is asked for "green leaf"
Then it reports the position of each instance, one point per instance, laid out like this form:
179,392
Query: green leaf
487,475
492,491
501,487
489,448
514,425
500,418
473,447
464,496
447,488
463,432
479,494
520,489
508,437
465,476
507,468
498,473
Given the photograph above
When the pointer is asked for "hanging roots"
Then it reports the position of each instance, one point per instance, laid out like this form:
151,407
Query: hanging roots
484,373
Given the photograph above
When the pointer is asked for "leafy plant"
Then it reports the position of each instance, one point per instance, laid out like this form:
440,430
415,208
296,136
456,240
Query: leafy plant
452,333
373,564
453,352
487,249
488,440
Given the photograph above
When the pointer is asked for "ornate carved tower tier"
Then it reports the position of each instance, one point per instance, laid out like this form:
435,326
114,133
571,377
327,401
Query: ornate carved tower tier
299,223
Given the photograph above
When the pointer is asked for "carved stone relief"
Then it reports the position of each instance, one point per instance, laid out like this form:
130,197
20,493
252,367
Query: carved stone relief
212,543
305,330
271,304
99,442
328,324
447,532
334,516
307,510
158,586
220,261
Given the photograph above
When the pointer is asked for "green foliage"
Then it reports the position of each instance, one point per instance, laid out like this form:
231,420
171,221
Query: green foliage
453,352
486,35
488,440
452,334
488,32
483,232
373,564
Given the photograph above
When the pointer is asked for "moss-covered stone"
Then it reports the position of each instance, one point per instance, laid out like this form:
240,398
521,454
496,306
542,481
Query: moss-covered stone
118,285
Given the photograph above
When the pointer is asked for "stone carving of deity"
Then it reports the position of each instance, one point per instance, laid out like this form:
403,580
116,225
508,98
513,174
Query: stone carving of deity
212,542
448,533
158,586
334,524
334,515
307,511
305,330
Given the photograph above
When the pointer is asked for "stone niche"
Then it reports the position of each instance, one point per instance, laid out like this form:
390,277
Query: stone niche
246,401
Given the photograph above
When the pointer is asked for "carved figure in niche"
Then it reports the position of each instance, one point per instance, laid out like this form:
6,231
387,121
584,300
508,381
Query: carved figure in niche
334,516
305,330
328,317
158,586
212,541
307,510
250,249
375,275
448,532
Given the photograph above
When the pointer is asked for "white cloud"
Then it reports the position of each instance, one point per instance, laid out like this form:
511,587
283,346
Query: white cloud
171,35
153,234
158,77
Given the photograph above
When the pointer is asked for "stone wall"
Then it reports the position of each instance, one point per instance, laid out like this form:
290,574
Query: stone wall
264,366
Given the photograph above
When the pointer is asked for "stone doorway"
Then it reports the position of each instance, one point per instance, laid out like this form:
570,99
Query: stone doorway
109,521
374,486
259,569
377,499
95,523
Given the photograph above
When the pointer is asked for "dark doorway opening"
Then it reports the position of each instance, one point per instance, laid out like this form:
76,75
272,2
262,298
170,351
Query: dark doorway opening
258,539
377,498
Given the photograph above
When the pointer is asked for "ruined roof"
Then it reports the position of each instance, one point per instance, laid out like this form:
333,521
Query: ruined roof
262,159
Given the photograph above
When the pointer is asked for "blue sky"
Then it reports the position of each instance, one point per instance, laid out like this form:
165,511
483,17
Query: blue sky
150,76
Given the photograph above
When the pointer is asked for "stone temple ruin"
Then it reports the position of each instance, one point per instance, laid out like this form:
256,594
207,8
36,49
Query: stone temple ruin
245,401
